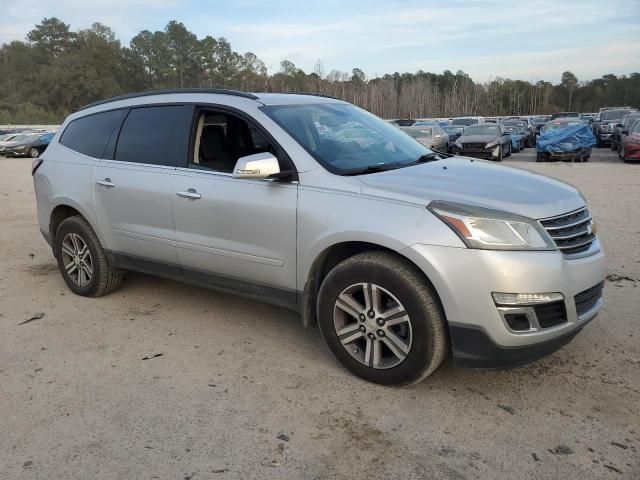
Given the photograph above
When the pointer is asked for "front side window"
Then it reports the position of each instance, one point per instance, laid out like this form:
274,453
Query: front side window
222,138
89,135
346,139
155,136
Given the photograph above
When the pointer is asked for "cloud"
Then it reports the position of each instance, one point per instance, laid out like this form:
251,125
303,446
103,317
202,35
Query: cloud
484,38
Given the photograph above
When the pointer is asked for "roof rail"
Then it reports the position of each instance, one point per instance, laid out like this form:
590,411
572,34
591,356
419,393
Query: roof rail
313,94
220,91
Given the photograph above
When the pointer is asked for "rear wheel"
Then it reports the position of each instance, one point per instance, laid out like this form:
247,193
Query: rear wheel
539,157
381,319
81,259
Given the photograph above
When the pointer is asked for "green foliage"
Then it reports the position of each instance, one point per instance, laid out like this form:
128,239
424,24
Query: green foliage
57,71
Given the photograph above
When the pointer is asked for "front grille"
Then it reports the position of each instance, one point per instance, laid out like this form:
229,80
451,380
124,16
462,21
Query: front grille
572,232
473,146
586,300
551,314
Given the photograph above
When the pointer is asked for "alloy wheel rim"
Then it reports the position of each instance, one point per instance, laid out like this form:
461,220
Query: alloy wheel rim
33,153
76,259
372,325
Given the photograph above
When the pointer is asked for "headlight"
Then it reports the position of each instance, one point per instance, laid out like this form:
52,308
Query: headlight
487,229
491,144
458,144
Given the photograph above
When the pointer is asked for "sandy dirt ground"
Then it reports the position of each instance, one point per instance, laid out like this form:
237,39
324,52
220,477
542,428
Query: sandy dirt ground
242,391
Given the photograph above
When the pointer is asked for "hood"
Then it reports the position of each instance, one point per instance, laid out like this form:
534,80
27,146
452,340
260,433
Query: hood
476,182
477,138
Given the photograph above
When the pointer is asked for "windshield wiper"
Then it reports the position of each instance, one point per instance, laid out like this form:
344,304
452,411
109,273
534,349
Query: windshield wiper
382,167
427,157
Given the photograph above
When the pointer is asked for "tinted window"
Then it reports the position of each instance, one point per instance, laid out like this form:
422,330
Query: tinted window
154,135
89,135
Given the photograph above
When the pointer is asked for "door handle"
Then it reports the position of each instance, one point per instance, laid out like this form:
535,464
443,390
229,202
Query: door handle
106,183
190,194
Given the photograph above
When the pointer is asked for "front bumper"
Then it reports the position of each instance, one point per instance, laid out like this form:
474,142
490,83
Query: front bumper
485,153
466,278
604,137
14,152
565,156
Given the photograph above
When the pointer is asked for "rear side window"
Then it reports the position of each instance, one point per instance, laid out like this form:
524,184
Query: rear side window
154,135
90,135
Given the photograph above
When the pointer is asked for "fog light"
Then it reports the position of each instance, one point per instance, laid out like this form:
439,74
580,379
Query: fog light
525,298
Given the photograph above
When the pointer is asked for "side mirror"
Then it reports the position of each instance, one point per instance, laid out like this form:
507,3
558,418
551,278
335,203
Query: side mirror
257,166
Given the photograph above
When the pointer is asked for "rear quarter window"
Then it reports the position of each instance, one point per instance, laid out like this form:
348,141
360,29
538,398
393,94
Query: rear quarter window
89,135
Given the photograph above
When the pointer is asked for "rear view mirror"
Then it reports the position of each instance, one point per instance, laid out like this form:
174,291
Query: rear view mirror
258,166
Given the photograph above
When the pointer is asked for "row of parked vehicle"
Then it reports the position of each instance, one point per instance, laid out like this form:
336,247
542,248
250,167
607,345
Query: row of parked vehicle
24,143
567,136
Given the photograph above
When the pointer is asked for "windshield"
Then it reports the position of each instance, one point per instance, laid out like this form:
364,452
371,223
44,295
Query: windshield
351,140
482,130
613,114
21,138
511,129
418,132
464,121
559,125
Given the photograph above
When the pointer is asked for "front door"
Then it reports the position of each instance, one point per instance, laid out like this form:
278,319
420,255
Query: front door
234,233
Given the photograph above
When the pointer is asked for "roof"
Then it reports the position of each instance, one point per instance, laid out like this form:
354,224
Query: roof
264,98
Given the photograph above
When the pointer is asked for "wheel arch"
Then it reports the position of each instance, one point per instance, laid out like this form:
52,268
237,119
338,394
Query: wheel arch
333,255
65,209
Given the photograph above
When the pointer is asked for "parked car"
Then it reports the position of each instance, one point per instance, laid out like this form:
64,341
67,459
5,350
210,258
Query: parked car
517,138
619,127
606,122
401,256
630,142
538,122
489,141
566,139
453,132
526,130
556,115
431,136
464,121
404,122
30,145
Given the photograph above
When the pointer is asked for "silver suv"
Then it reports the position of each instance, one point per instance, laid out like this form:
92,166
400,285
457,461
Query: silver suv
402,256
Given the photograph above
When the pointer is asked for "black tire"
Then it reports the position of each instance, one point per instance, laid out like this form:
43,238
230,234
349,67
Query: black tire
500,155
429,345
105,279
599,143
614,145
539,157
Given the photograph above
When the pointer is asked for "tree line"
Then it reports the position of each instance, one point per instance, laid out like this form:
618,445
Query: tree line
57,70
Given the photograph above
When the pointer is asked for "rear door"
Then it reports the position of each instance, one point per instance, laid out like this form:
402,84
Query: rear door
133,185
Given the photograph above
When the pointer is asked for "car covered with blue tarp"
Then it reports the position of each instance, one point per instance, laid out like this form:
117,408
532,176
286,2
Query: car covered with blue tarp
567,139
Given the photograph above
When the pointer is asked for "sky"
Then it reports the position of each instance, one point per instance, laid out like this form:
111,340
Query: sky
518,39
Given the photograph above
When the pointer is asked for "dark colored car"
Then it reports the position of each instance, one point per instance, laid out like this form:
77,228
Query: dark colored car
525,129
404,122
624,125
489,141
606,123
629,148
538,122
30,145
454,132
564,115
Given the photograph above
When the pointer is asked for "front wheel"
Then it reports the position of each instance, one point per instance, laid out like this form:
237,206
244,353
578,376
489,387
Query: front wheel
82,261
381,320
34,153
